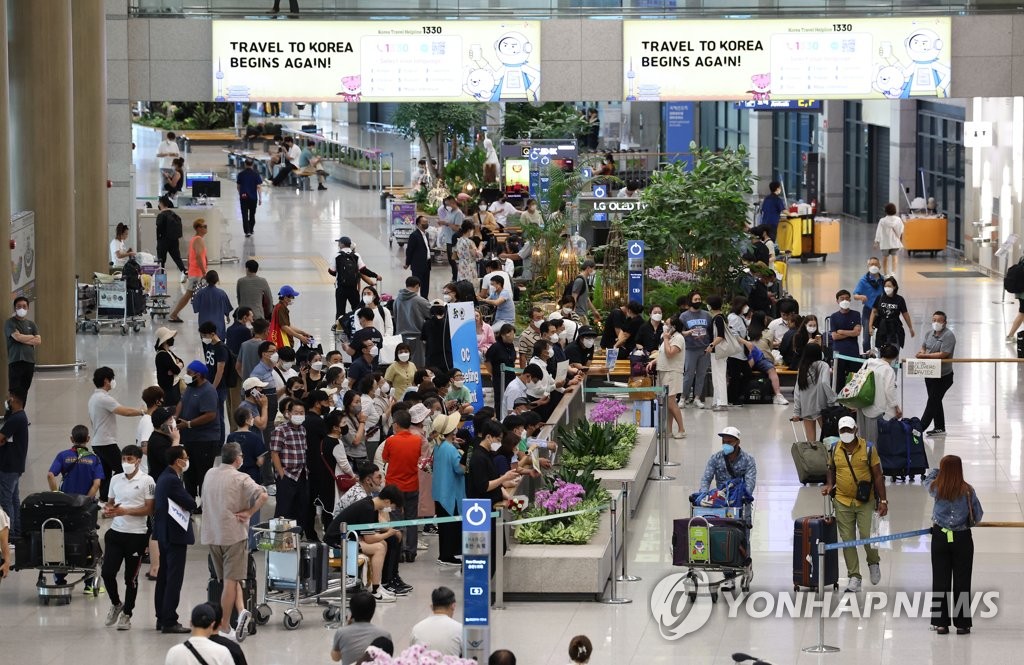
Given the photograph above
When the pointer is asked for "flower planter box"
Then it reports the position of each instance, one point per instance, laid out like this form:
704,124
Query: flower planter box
363,178
637,470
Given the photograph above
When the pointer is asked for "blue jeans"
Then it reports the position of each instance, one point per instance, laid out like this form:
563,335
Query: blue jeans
10,501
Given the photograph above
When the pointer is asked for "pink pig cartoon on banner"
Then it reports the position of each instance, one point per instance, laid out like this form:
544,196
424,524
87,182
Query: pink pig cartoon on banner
762,84
351,88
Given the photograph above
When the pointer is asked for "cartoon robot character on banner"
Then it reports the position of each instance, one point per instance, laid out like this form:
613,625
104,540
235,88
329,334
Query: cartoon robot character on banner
515,79
923,76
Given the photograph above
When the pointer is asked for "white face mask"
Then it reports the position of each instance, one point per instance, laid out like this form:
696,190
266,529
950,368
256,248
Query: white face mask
317,366
889,290
185,468
844,305
374,351
937,327
387,509
567,310
847,437
495,446
812,329
287,366
367,299
656,317
446,298
746,309
113,384
207,340
248,326
298,420
129,469
588,343
874,270
403,357
274,358
553,339
21,312
458,384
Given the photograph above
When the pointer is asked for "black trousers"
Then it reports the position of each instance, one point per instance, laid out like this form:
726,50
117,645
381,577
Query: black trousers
282,175
844,368
449,535
452,262
110,457
293,501
19,375
201,456
952,565
424,277
248,215
346,295
168,583
738,375
128,548
169,246
390,571
933,410
293,6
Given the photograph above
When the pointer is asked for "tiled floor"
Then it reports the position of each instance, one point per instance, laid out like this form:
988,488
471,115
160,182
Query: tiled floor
294,237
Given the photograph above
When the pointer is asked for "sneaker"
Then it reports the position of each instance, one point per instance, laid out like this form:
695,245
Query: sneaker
854,585
421,546
113,614
94,590
272,489
394,589
875,573
382,595
699,404
935,431
453,563
686,403
242,627
124,622
184,278
1011,338
718,408
780,400
728,585
401,583
430,529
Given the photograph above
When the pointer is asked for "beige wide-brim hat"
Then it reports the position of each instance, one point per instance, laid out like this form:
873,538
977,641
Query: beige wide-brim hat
447,424
162,335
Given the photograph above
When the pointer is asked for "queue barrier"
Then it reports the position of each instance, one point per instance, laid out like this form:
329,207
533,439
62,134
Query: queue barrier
661,397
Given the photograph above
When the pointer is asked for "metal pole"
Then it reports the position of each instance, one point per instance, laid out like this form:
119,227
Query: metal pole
995,401
613,598
499,561
625,576
344,579
660,454
663,428
821,647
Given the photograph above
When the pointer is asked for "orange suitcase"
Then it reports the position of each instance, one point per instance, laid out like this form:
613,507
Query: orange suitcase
826,236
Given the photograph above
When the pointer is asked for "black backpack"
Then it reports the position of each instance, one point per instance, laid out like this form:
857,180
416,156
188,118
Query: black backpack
570,285
1014,280
131,273
347,266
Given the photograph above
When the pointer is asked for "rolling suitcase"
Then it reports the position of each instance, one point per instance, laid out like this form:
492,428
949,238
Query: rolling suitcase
807,533
215,588
79,549
727,546
810,459
77,512
901,449
311,576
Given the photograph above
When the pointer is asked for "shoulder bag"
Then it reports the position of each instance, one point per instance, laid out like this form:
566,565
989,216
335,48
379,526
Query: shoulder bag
859,392
864,487
343,482
731,344
188,645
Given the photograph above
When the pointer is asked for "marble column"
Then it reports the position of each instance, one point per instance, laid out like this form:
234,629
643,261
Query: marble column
43,148
5,189
89,84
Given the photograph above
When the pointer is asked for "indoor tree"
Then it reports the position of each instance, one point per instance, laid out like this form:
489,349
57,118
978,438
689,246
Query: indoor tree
437,124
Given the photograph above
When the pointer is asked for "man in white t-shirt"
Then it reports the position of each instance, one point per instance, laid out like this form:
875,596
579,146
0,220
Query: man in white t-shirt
167,152
439,631
199,648
103,412
131,502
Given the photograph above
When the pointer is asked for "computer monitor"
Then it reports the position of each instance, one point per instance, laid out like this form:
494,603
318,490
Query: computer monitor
208,188
194,176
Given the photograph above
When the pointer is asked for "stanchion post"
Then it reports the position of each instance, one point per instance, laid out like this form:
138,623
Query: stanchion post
821,647
995,400
662,443
499,561
613,597
625,576
663,426
344,579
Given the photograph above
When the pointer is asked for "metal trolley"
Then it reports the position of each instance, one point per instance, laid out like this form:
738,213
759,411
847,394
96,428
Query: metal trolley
158,299
113,307
743,515
54,562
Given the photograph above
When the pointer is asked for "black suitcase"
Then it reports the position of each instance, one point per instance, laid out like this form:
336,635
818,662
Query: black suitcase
1020,344
728,544
901,449
758,391
76,512
807,532
830,419
215,588
81,550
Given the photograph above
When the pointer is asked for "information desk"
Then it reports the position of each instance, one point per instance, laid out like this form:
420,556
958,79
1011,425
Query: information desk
215,223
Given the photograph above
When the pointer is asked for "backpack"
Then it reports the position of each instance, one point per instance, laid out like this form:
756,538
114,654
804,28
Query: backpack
131,273
347,266
1014,280
570,285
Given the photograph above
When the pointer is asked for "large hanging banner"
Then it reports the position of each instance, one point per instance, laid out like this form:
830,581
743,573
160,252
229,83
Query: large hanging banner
762,60
465,352
376,61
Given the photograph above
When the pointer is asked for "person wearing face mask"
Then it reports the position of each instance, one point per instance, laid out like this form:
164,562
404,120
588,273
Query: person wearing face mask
172,538
400,373
288,446
22,339
434,337
131,502
531,215
366,330
168,366
937,345
321,476
695,325
501,352
885,317
364,364
729,463
212,304
381,316
867,293
459,393
669,363
282,331
353,431
198,419
349,270
379,545
484,334
517,390
312,374
500,297
854,462
254,455
807,332
581,352
232,498
886,404
254,292
650,333
103,409
530,335
889,237
484,481
845,325
401,455
237,334
411,310
219,367
467,251
417,256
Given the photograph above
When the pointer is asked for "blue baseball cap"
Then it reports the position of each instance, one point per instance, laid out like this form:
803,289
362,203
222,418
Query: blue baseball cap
199,367
287,292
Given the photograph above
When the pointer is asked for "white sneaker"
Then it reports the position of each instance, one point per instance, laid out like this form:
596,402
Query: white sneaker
184,277
854,585
679,435
699,404
421,546
780,400
382,595
242,626
875,572
124,622
113,614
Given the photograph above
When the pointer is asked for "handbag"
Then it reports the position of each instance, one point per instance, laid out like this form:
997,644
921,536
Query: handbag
730,345
859,392
387,349
342,481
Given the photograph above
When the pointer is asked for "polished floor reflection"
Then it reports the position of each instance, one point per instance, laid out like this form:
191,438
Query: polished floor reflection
293,241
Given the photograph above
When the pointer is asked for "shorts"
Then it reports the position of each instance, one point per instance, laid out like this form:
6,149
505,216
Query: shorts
192,284
764,365
230,561
674,381
891,252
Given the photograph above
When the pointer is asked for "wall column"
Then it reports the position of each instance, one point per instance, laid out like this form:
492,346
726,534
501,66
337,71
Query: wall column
761,150
830,189
5,190
89,83
43,147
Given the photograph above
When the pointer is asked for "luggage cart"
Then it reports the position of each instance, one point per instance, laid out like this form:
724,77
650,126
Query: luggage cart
112,308
716,517
159,300
85,306
287,582
54,562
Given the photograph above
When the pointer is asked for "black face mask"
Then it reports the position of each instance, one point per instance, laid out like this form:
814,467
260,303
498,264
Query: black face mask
169,342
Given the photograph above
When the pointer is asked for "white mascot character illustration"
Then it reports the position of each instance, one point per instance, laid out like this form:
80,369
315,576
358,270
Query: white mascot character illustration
515,79
480,85
889,81
924,75
492,172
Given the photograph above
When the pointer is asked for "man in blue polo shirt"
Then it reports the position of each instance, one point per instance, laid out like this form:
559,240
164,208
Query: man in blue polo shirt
79,469
250,195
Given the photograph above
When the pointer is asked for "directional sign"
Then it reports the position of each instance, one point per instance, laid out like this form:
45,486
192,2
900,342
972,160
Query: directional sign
476,578
600,191
635,270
